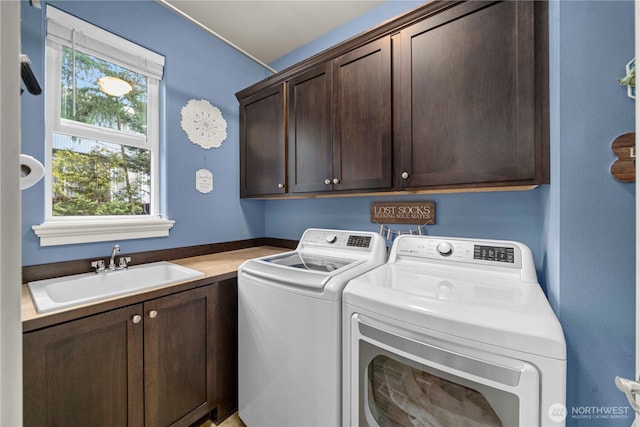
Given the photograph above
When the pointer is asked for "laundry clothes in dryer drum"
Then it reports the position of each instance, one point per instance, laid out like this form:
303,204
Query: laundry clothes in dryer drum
404,396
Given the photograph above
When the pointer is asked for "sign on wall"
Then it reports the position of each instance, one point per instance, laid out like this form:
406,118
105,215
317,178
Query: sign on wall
403,212
204,181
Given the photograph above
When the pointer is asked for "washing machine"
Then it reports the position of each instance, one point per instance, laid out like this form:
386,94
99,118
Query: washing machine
290,328
452,332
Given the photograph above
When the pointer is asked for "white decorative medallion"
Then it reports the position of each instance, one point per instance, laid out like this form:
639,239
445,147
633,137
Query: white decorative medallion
203,123
204,181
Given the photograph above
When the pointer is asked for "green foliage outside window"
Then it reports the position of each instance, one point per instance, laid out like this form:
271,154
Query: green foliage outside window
84,182
96,177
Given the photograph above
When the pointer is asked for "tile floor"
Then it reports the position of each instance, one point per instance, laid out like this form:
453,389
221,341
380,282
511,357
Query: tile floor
232,421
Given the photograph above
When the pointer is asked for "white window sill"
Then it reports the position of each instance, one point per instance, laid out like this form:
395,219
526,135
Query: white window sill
66,232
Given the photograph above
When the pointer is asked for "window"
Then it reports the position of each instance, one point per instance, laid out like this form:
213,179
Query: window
102,130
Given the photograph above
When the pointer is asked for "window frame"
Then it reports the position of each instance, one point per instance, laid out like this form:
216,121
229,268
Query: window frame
64,30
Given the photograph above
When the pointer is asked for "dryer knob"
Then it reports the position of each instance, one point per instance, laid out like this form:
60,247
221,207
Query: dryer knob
331,238
444,248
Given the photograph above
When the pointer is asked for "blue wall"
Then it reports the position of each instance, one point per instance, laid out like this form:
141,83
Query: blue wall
502,215
198,66
590,217
581,228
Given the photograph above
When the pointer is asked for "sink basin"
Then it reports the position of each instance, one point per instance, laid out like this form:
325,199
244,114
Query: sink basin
69,291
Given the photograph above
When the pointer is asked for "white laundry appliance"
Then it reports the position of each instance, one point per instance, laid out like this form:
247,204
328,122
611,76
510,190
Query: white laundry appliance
452,332
290,328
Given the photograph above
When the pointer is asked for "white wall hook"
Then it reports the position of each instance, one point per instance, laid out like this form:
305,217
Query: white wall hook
630,388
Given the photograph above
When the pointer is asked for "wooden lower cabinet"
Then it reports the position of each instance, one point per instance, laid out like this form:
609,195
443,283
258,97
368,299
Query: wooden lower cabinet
149,364
86,372
180,357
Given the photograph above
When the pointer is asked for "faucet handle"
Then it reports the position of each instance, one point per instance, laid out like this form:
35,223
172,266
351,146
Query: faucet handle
98,265
124,262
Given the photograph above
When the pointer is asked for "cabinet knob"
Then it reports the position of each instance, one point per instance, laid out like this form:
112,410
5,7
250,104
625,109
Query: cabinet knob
280,185
336,181
136,319
153,314
405,175
327,181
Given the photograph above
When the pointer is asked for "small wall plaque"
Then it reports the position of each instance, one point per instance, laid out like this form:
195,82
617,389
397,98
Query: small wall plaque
403,212
204,181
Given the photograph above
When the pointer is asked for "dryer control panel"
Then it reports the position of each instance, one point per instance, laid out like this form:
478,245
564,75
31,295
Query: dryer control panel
505,254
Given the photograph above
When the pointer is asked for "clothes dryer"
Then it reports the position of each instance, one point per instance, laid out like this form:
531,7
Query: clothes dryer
452,332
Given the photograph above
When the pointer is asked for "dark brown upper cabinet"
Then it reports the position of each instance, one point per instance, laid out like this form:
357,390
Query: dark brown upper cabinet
263,143
362,145
467,99
449,96
310,130
340,123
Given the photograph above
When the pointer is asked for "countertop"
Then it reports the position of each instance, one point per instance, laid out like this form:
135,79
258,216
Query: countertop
216,267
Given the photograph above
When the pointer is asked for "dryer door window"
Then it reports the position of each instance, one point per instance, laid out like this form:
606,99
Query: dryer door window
400,394
403,378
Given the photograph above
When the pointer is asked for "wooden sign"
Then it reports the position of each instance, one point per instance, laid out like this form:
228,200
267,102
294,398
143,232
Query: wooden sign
403,212
624,167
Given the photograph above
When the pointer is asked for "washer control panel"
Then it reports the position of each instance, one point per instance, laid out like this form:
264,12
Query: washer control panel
337,239
496,253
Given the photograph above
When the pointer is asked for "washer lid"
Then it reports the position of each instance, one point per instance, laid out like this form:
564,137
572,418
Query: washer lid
482,307
292,271
310,261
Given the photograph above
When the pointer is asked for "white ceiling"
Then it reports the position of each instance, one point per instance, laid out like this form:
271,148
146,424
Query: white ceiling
268,29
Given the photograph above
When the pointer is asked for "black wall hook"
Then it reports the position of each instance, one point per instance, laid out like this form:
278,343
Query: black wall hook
29,79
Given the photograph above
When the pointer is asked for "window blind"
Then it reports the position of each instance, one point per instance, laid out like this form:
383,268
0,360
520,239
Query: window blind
68,30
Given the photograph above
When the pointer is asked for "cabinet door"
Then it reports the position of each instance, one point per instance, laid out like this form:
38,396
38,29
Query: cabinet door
179,357
467,97
87,372
362,117
309,121
262,143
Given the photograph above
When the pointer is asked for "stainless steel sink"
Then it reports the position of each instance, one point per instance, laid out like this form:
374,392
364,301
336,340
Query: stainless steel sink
69,291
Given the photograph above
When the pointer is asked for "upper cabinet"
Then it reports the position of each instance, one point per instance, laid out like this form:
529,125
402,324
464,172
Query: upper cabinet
450,96
263,143
467,98
340,123
362,118
310,130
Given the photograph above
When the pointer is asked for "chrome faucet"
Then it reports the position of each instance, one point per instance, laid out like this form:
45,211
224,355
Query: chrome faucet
114,252
124,261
